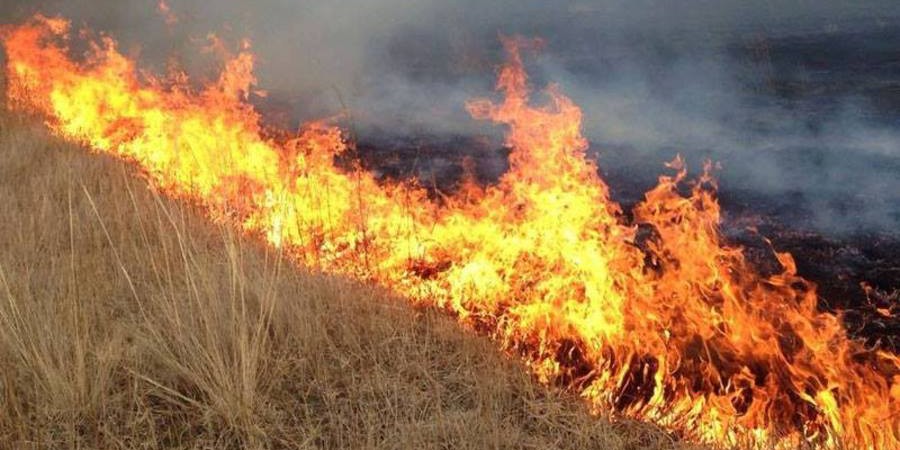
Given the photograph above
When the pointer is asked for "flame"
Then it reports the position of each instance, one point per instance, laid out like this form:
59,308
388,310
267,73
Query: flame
166,12
654,317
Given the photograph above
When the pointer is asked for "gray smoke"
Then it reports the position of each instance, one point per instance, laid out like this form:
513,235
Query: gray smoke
799,100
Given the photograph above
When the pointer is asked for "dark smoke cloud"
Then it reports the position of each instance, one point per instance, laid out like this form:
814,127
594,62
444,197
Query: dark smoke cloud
799,99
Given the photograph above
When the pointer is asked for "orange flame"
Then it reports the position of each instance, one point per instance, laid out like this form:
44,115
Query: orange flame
655,318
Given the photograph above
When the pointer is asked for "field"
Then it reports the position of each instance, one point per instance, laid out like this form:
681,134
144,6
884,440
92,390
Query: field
129,321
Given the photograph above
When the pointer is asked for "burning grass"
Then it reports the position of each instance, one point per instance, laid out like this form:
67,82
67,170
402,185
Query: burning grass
129,321
651,315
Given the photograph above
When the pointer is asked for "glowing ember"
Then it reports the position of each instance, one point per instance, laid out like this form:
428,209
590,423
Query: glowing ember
659,321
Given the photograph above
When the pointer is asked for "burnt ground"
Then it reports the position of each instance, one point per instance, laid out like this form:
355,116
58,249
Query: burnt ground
857,273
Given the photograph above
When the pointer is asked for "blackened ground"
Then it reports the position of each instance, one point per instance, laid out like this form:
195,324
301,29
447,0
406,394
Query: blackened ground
858,274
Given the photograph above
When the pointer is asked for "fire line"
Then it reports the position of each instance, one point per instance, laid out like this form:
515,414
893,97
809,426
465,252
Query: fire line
672,326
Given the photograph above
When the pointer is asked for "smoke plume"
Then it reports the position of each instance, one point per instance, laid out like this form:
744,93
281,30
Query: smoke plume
799,100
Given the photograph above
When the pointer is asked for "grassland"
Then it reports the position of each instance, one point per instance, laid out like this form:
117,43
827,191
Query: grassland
129,321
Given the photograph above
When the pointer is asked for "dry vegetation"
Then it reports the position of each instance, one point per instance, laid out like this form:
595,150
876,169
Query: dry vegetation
128,321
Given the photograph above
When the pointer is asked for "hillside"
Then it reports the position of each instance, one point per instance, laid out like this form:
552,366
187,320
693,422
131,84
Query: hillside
129,321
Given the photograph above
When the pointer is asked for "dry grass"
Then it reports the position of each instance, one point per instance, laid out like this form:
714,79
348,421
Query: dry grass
128,321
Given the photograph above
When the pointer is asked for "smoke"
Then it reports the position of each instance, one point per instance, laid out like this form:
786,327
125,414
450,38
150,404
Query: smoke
797,99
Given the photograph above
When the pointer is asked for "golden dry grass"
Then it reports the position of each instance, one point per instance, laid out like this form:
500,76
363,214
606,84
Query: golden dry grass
129,321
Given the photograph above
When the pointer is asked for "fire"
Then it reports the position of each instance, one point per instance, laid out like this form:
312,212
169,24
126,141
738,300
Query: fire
654,317
166,12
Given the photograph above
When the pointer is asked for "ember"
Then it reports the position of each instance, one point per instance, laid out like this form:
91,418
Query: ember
654,317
